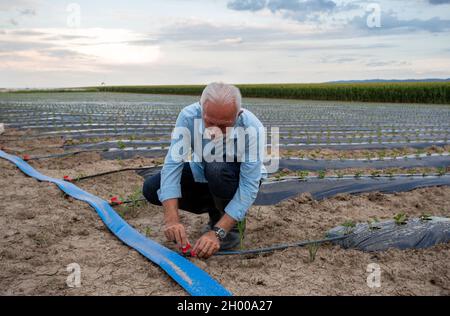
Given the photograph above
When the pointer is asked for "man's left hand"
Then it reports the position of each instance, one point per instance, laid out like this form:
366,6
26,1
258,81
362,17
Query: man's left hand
206,246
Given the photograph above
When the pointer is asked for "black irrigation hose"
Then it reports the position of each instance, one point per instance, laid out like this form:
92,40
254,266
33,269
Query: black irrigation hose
66,154
130,201
261,250
279,247
114,171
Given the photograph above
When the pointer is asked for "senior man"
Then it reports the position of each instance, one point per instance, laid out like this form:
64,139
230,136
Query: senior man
224,187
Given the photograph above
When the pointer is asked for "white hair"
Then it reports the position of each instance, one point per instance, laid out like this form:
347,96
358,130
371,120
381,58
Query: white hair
221,93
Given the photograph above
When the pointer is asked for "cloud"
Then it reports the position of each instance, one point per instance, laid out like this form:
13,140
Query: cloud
390,22
16,46
247,5
26,33
307,6
30,12
64,49
300,10
6,5
437,2
387,63
235,40
13,22
64,54
199,31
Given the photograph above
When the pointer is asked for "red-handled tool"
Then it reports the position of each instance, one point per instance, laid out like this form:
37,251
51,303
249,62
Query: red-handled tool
115,200
67,178
186,249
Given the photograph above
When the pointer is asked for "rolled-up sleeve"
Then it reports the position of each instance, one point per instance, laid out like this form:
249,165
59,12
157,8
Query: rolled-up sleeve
247,191
249,180
173,163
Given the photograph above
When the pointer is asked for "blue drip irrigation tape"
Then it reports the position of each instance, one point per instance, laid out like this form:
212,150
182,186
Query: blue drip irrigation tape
194,280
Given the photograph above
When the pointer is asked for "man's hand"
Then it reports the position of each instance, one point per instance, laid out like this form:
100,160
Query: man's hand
206,246
175,231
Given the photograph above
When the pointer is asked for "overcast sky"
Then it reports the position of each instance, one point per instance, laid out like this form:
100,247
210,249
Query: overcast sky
54,43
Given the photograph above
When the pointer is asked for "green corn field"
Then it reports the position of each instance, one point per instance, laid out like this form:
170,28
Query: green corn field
405,92
426,92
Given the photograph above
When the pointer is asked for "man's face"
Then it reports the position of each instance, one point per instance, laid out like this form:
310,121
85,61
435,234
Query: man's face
219,117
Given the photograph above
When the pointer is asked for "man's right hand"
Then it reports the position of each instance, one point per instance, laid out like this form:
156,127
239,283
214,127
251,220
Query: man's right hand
175,231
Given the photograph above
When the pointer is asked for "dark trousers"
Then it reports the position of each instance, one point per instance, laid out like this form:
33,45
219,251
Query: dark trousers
199,198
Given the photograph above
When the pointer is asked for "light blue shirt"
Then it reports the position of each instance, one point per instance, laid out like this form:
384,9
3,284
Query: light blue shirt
251,170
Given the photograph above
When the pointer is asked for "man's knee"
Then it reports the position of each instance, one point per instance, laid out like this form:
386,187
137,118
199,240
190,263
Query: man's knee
223,178
151,187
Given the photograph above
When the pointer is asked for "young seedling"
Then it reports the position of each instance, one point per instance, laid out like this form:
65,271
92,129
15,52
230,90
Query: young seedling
81,175
312,250
390,173
321,174
349,225
372,223
400,219
121,144
135,197
411,172
241,227
358,174
302,174
441,171
148,231
375,173
339,174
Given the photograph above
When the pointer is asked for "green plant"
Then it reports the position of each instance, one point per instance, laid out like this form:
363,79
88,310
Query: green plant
358,174
348,225
148,231
135,196
78,177
321,174
241,227
375,173
400,219
411,172
302,174
371,222
441,171
121,144
312,250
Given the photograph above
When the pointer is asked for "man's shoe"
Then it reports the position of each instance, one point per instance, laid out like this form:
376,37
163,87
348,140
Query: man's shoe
231,240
